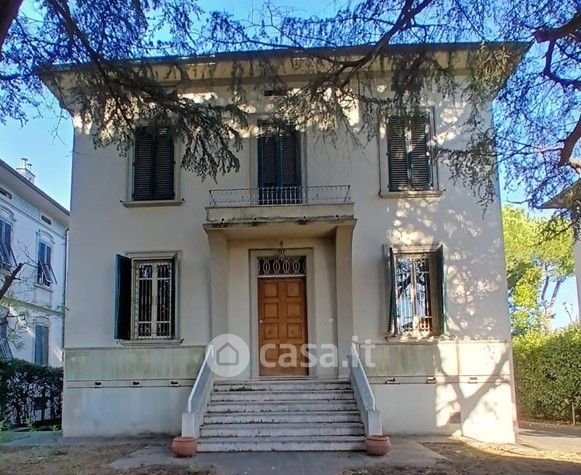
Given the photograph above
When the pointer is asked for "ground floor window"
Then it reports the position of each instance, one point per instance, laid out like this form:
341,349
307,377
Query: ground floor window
416,292
145,298
41,344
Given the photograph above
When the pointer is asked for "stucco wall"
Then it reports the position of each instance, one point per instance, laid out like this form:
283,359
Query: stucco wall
127,390
476,288
453,386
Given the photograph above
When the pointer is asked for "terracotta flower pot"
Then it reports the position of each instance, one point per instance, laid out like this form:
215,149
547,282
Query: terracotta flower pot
184,446
377,444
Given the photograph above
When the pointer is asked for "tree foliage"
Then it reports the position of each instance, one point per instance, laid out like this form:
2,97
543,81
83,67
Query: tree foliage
536,267
27,389
537,125
547,369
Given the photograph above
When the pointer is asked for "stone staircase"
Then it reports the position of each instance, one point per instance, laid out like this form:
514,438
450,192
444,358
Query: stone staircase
290,414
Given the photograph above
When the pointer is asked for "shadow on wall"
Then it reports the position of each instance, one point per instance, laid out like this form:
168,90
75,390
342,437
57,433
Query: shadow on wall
476,296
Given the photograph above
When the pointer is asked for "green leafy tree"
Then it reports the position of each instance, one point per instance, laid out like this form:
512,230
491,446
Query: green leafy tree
535,137
536,266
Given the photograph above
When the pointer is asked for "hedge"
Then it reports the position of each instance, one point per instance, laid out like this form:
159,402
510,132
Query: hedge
548,374
29,393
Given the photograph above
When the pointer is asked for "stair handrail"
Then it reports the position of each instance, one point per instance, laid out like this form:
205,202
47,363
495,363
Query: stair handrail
199,396
364,395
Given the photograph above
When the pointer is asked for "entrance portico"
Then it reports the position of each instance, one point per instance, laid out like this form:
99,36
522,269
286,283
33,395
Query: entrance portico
288,311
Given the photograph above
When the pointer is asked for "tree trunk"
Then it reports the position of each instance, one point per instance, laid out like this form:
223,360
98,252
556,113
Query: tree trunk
8,279
5,350
8,11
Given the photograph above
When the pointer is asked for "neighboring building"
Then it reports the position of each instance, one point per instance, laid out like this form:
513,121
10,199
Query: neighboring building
309,243
33,231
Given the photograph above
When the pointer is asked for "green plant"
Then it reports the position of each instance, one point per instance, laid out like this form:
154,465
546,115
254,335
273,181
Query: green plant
29,392
547,373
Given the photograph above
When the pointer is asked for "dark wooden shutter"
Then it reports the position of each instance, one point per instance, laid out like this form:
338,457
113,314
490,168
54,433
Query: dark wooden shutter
290,159
397,155
143,164
421,173
442,317
174,314
48,260
268,158
390,282
41,345
163,186
122,298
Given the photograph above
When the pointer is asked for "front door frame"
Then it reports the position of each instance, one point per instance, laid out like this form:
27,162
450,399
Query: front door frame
310,296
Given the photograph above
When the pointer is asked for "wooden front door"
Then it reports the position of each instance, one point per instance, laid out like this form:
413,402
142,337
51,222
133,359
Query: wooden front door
282,326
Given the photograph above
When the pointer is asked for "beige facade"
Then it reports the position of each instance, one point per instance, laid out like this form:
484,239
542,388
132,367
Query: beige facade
457,382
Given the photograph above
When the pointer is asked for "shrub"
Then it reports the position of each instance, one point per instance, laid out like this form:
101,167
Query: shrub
29,392
548,373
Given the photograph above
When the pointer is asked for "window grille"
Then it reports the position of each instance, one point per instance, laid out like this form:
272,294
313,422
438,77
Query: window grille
414,293
281,266
153,299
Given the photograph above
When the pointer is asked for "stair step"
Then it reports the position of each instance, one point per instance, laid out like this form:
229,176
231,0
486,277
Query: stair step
281,380
277,430
282,386
281,444
282,395
280,406
282,417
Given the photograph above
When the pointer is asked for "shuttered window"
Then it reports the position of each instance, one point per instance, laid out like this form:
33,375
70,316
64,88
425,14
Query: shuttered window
41,345
45,274
410,167
415,292
145,298
153,165
7,259
279,175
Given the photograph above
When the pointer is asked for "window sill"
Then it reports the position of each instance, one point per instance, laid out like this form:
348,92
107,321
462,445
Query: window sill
411,194
150,343
152,203
44,287
418,339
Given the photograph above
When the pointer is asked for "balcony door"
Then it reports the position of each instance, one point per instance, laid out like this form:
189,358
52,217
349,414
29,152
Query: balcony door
279,167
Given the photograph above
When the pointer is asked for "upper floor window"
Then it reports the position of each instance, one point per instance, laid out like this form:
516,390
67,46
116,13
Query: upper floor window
416,292
6,255
45,275
145,298
279,166
153,165
410,164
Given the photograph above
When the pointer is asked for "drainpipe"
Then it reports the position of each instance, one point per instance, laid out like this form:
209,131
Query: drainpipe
66,263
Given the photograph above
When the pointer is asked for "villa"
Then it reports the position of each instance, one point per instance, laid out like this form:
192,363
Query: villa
368,255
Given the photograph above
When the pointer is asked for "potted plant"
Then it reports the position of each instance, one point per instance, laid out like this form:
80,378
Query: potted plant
377,444
184,446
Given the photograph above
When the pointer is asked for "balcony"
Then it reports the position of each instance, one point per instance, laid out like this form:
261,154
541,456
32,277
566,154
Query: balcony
304,205
280,196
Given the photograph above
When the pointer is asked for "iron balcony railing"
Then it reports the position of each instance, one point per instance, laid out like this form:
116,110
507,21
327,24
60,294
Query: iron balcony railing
280,195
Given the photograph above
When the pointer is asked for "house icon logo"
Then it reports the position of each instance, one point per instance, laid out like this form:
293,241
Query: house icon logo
228,355
231,355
